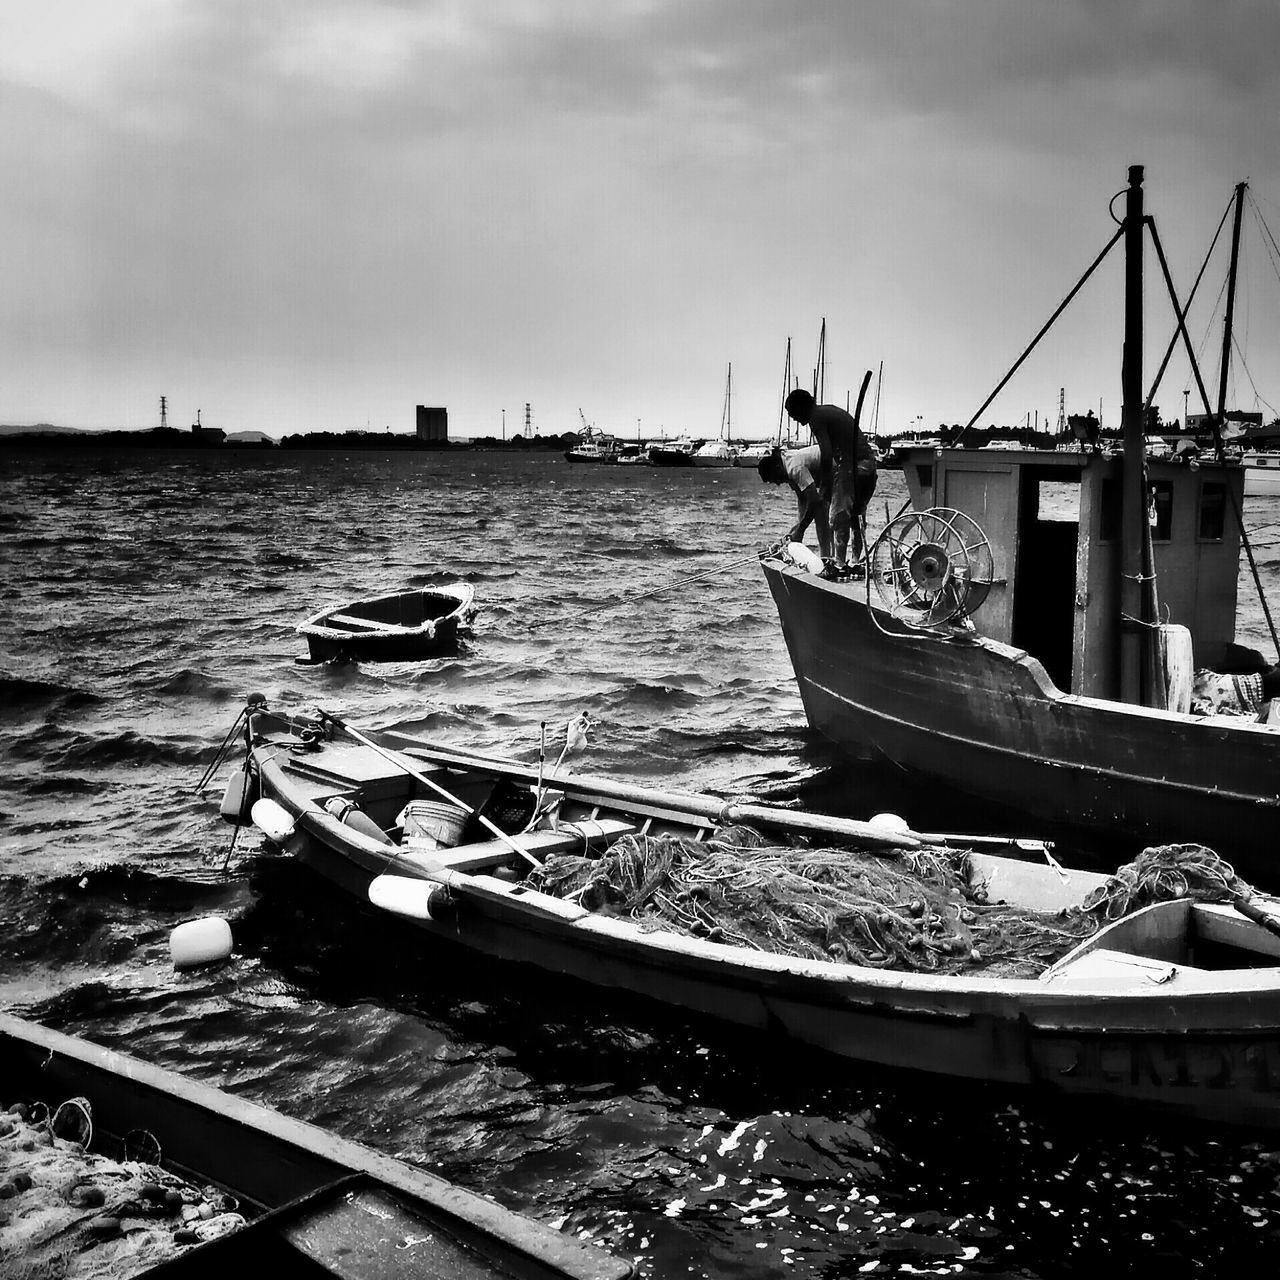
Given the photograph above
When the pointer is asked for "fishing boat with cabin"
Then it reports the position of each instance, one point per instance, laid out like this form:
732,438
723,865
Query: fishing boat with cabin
1054,631
971,957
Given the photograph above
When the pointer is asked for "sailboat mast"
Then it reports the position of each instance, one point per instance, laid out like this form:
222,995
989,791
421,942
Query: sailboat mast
1134,486
1231,309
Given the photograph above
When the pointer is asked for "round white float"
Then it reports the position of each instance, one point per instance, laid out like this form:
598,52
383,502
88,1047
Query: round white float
890,822
199,942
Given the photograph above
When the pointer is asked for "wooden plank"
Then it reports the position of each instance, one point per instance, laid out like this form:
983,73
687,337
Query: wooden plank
350,620
489,853
1217,922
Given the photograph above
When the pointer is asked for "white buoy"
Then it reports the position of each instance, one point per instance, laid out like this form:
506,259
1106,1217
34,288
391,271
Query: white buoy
273,819
199,942
890,822
408,896
804,558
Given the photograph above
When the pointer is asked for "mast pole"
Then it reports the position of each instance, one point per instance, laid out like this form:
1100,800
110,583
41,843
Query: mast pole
1134,487
1231,308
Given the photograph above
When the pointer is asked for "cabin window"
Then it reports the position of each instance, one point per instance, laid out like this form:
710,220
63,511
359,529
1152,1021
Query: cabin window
1058,500
1160,500
1213,511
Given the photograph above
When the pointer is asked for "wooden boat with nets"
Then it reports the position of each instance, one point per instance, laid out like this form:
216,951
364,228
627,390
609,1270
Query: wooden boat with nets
110,1166
396,627
962,956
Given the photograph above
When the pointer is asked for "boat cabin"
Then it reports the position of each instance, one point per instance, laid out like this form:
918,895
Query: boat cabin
1053,519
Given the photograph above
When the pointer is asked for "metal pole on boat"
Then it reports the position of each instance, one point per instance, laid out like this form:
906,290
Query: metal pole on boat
1134,476
1230,315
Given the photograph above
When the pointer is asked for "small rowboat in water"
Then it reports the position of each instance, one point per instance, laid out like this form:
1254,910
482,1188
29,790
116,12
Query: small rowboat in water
304,1201
390,628
1175,1006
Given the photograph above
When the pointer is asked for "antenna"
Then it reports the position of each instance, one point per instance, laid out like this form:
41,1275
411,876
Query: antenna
1062,411
164,412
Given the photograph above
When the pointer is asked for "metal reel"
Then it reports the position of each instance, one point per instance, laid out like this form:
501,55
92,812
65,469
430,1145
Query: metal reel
933,566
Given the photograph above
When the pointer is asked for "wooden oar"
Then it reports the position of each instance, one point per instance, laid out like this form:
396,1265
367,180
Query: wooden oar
703,806
1247,907
398,760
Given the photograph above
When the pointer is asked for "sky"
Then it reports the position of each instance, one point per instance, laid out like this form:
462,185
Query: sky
314,215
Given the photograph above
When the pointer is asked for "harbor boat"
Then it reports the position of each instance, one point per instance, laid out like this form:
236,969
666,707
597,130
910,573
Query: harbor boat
750,455
594,446
1261,474
396,627
291,1199
720,452
1175,1006
1053,632
674,453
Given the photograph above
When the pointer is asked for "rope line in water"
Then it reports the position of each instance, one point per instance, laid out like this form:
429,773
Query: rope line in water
683,581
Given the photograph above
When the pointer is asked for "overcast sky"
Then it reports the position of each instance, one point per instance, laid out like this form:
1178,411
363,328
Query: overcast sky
315,215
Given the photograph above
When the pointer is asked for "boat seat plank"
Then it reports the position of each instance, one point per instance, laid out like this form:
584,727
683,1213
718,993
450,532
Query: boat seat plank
1218,922
570,838
350,620
1104,968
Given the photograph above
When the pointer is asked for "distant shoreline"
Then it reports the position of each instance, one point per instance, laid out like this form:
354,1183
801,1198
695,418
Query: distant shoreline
71,439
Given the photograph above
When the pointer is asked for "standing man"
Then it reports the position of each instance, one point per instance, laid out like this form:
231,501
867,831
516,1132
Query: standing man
847,475
798,468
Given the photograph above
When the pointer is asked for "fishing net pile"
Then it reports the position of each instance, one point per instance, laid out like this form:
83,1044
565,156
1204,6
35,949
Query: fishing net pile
918,910
1165,872
67,1213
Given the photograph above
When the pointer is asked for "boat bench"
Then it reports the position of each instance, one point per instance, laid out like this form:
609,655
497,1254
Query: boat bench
349,620
485,854
1102,967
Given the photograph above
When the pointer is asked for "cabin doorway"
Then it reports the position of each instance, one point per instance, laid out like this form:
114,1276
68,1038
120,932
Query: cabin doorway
1044,593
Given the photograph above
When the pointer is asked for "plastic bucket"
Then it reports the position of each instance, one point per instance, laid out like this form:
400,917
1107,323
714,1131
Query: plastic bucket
433,823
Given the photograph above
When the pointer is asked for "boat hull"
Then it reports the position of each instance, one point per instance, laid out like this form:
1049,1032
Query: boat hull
986,720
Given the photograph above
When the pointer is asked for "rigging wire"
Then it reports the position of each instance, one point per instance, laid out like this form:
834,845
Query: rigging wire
686,580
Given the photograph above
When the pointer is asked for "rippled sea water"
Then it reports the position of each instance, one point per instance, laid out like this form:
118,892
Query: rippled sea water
142,597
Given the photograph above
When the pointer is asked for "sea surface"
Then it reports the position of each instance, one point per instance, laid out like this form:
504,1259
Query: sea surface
143,597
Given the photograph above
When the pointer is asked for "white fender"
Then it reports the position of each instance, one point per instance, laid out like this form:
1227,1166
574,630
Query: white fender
804,557
273,820
407,896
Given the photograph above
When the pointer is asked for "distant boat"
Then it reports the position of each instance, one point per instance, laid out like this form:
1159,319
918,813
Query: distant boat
673,453
750,455
1261,474
399,626
594,446
720,452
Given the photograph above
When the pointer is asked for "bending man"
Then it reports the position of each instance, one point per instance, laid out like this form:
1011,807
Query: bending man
847,475
798,468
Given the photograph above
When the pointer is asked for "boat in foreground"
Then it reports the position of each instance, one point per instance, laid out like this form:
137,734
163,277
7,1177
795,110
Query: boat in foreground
396,627
1176,1006
1054,631
311,1203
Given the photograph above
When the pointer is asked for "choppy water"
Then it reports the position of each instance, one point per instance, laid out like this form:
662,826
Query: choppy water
141,599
